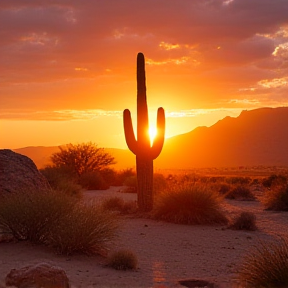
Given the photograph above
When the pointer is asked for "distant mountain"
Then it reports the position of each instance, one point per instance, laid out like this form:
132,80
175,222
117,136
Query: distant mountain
255,137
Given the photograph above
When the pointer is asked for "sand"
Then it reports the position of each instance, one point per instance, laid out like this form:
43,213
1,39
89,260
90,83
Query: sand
166,252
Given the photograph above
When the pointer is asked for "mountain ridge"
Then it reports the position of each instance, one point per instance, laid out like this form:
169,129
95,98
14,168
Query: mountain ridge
255,137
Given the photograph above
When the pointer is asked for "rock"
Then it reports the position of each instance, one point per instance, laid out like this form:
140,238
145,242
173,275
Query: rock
18,172
38,276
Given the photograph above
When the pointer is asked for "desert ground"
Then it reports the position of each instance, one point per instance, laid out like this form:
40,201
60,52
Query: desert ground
166,252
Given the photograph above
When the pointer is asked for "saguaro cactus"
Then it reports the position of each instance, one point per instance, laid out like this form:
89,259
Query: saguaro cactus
144,151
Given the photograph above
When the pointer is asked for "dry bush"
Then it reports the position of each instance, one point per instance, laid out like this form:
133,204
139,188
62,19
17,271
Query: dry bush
240,192
85,229
62,179
93,180
123,260
266,265
29,214
244,221
189,204
131,184
276,199
119,205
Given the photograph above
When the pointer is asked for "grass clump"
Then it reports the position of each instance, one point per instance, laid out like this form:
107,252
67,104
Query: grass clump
240,192
245,221
117,204
266,265
123,260
29,214
86,229
189,204
276,199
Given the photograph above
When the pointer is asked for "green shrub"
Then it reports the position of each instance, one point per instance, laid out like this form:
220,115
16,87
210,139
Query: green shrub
189,204
266,265
86,229
123,260
277,198
29,214
240,192
93,181
245,221
119,205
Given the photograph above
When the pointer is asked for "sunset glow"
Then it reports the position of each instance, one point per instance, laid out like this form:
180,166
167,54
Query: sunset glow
68,75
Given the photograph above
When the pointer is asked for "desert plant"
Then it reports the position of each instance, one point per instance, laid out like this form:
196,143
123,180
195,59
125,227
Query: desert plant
93,180
119,205
240,192
131,184
145,153
82,158
29,214
244,221
122,175
62,180
85,229
274,180
123,260
190,204
276,198
266,265
159,183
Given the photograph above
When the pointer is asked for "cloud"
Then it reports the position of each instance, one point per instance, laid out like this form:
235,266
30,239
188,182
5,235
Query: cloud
68,50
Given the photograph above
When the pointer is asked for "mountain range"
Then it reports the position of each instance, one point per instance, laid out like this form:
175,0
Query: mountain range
256,137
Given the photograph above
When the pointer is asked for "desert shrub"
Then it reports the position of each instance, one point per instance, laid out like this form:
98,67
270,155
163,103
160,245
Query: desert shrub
244,221
62,179
159,183
274,180
240,192
123,260
29,215
266,265
189,204
85,229
122,175
131,183
109,176
237,180
119,205
276,198
93,181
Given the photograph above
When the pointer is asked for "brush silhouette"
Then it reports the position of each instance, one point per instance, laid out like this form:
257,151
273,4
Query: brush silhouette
144,151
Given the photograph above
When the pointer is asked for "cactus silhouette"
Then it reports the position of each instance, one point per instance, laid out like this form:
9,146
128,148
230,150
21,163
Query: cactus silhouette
144,151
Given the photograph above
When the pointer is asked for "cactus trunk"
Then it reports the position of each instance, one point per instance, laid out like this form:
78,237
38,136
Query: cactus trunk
145,153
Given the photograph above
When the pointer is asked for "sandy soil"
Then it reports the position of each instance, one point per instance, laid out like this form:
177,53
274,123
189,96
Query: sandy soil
166,252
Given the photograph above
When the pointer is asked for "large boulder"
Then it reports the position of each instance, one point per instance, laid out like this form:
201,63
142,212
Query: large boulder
38,276
18,172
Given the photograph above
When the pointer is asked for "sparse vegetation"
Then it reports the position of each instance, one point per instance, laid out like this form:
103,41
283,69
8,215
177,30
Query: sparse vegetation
276,198
29,215
240,192
119,205
244,221
274,180
123,260
93,180
58,220
85,229
190,204
266,265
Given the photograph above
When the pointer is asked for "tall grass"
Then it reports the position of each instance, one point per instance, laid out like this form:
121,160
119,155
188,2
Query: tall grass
266,265
190,204
29,214
86,229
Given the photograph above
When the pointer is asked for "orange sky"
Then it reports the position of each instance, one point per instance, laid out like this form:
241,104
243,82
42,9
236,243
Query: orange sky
68,68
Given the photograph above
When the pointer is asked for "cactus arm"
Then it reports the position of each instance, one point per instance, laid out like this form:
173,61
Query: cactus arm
159,139
129,133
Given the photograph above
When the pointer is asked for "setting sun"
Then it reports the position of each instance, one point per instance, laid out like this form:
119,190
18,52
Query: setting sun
152,133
